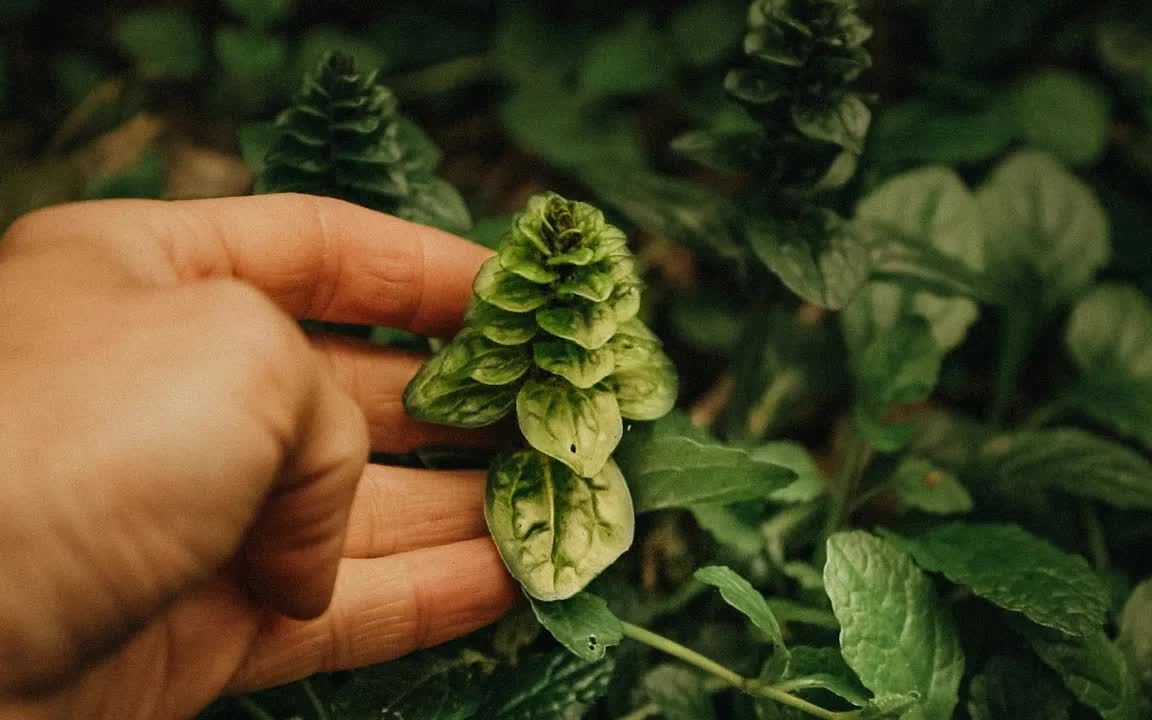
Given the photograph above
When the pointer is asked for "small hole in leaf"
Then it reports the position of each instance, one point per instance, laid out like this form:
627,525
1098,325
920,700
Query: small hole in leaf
572,447
592,642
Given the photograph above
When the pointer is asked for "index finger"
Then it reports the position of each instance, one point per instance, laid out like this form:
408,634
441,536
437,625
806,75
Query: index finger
316,257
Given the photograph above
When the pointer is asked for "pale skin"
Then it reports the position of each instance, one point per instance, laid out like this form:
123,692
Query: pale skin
187,508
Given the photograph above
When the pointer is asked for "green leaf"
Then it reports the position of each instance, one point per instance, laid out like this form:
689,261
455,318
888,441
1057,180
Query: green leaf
822,668
670,465
810,481
1110,331
582,623
249,55
816,254
555,530
589,324
894,631
583,368
437,203
845,124
471,353
455,398
579,427
1073,461
921,130
1092,668
77,74
501,326
1136,633
899,366
679,693
644,379
165,43
1019,688
507,291
1118,401
1017,571
260,13
559,686
255,141
1047,234
629,59
320,40
1078,131
917,217
429,685
740,594
921,485
729,529
705,31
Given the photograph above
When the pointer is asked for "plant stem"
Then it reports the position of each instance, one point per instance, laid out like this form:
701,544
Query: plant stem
857,454
255,711
1014,345
317,705
736,680
1097,546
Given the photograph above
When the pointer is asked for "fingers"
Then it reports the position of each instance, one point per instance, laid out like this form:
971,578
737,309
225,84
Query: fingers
376,378
316,257
401,509
385,608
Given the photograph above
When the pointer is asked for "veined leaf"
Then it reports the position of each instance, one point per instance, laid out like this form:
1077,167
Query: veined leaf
559,686
589,325
894,632
437,203
579,427
1019,688
583,368
1078,132
1017,571
920,485
555,529
1136,632
644,380
679,692
740,594
507,291
824,668
501,326
582,623
455,399
810,481
430,685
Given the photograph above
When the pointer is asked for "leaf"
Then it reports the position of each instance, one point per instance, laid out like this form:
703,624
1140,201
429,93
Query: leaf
1092,668
729,529
810,481
628,59
1110,331
705,31
165,43
437,203
1118,401
588,324
429,685
740,594
555,530
255,141
844,124
583,368
260,13
922,130
501,326
1073,461
822,668
923,215
249,55
506,290
559,686
1019,688
1078,132
1047,234
668,465
1017,571
899,366
1136,633
582,623
679,693
455,398
816,254
894,632
579,427
920,485
644,379
471,353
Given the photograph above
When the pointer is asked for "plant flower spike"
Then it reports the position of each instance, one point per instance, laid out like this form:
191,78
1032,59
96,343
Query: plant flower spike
552,331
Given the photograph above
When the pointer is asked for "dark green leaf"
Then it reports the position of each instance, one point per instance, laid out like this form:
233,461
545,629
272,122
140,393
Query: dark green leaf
729,529
1019,688
1079,131
704,31
822,668
1118,401
437,203
810,481
740,594
1017,571
559,686
260,13
894,631
249,55
669,465
556,530
164,42
579,427
429,685
628,59
582,623
679,693
920,130
255,140
920,485
1136,633
816,254
845,124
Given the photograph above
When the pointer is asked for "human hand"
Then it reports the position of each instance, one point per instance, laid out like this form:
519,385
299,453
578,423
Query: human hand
183,471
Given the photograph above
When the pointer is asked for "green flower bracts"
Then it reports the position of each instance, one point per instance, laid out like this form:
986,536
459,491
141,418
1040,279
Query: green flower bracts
552,332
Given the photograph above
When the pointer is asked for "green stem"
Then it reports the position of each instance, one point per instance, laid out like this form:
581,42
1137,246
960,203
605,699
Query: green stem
736,680
317,705
857,455
1015,342
444,77
254,711
1097,546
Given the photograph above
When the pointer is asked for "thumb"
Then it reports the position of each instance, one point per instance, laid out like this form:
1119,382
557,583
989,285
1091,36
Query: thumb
293,549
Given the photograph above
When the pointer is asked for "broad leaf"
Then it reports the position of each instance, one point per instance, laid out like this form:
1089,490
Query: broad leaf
1047,234
501,326
1117,401
704,31
894,631
1016,571
740,536
631,58
588,324
474,355
899,366
920,485
1136,633
1092,668
582,623
579,427
810,668
644,381
740,594
249,55
1073,461
818,255
555,529
1019,688
506,290
437,203
926,215
670,465
922,130
679,692
559,686
583,368
810,481
1064,113
455,398
164,42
